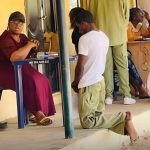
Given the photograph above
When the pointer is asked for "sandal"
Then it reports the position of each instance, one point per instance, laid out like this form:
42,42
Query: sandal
42,119
45,121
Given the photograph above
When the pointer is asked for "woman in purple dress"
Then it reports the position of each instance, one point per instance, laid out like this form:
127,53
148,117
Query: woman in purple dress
37,92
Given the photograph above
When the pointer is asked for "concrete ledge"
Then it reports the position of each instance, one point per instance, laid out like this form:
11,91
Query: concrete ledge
108,140
102,139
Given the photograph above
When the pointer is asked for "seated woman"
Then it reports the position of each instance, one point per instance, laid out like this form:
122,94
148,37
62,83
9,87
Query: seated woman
37,92
136,29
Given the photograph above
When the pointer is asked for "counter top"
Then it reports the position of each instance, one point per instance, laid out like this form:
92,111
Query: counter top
142,41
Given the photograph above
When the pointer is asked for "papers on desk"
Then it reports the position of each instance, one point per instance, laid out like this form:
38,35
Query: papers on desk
53,54
146,39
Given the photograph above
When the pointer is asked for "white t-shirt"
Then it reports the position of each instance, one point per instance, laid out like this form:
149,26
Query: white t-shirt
93,44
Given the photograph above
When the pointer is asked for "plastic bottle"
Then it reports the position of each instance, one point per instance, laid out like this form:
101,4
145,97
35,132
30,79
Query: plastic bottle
42,55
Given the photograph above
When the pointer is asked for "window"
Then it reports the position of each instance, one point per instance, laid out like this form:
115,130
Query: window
74,3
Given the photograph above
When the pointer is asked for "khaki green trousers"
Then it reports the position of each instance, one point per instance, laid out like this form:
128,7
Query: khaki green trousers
118,55
91,108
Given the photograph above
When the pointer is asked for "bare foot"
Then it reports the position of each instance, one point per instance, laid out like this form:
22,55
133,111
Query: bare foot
128,116
130,128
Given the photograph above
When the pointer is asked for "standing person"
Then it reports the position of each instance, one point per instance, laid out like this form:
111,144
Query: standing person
89,81
112,18
75,34
37,92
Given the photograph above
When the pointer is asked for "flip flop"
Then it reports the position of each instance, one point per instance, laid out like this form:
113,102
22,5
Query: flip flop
45,121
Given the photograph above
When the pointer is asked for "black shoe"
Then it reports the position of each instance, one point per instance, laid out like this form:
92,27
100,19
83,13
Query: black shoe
3,125
144,97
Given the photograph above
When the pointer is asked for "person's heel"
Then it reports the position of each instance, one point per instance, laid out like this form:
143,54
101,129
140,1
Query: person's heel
128,116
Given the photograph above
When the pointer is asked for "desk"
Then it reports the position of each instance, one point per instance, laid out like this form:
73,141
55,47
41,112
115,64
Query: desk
18,79
141,57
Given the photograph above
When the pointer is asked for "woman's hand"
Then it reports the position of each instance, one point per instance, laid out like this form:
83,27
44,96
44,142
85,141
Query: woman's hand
33,43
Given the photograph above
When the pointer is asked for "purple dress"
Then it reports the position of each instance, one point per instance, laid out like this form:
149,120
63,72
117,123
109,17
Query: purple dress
37,92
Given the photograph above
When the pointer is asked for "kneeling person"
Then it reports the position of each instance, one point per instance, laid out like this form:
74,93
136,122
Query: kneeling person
89,81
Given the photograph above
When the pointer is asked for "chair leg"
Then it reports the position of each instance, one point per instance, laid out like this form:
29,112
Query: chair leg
26,117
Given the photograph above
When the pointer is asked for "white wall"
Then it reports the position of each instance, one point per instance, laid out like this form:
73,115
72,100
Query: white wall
145,5
8,106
